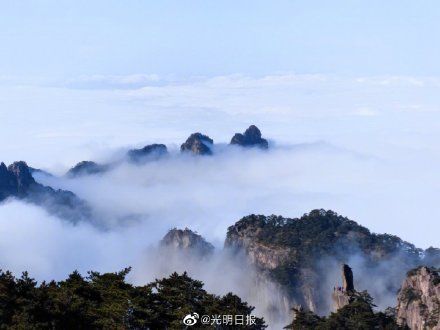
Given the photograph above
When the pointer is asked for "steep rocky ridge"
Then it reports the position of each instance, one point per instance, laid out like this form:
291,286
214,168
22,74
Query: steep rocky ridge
418,302
16,181
290,251
341,295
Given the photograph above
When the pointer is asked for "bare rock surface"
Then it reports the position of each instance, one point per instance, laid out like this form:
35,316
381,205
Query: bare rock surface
418,302
198,144
187,240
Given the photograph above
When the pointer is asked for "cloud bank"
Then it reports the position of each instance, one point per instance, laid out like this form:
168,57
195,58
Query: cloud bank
365,147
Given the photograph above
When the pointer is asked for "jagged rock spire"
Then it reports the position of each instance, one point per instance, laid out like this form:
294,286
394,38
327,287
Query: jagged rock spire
15,180
347,278
342,294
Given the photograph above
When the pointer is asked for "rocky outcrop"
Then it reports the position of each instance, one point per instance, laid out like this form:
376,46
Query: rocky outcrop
341,295
347,278
291,253
187,241
17,181
149,152
250,138
198,144
86,168
8,183
418,301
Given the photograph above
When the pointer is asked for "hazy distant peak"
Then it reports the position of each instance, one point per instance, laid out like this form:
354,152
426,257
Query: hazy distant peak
198,144
85,168
250,138
151,151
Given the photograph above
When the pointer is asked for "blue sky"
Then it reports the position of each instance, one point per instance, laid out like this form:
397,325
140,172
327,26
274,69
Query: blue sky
65,38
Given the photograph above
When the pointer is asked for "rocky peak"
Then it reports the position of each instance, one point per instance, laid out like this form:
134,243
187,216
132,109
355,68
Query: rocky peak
341,295
3,168
7,182
85,168
250,138
347,278
23,175
5,175
17,181
187,240
151,151
198,144
418,301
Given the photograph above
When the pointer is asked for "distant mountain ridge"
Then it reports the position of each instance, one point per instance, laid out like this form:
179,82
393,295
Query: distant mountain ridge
197,144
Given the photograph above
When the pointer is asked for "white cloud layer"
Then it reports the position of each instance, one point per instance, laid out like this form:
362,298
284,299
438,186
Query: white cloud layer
366,147
394,119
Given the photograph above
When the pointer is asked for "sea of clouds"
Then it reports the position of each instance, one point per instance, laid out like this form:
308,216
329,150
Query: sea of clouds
363,147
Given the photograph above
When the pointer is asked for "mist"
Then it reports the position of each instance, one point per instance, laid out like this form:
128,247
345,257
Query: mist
135,205
208,194
50,248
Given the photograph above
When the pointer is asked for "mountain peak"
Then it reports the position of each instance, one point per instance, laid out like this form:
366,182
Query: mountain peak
198,144
151,151
86,167
20,170
342,294
250,138
187,240
17,181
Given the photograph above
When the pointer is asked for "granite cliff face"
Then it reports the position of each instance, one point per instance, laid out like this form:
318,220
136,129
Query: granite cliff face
264,255
288,252
16,181
187,241
198,144
250,138
418,302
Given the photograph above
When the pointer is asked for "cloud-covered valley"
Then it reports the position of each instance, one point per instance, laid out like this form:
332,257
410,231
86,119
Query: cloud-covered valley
355,146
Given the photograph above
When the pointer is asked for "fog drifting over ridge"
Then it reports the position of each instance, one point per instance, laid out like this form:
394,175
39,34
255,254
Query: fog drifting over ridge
135,205
208,194
365,148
